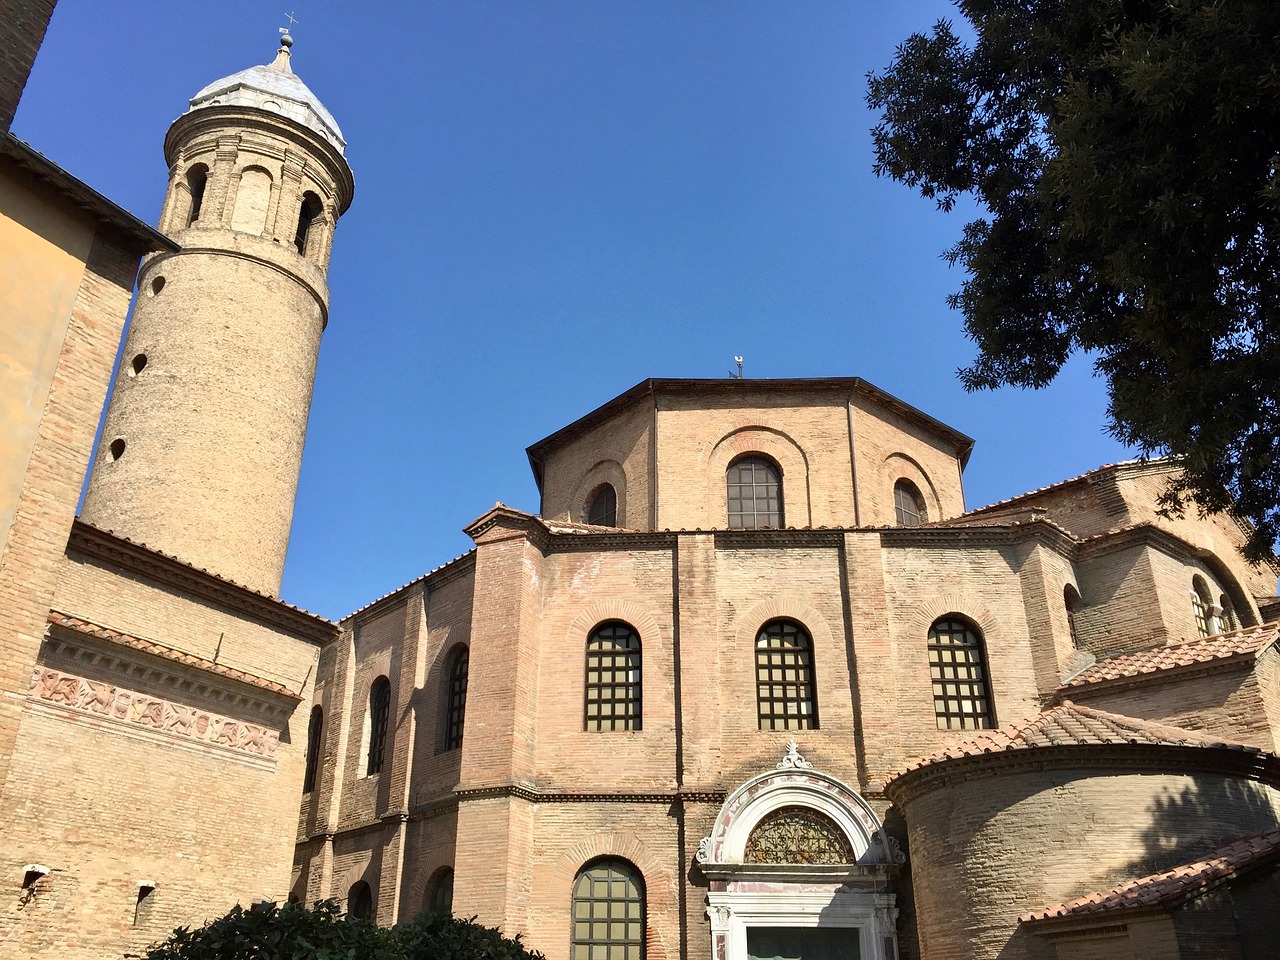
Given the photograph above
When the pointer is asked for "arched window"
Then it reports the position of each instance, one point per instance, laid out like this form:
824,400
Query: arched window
379,713
1071,600
308,213
613,678
784,677
1201,601
440,896
608,912
908,504
958,666
456,707
197,177
315,730
1228,617
754,494
360,900
602,507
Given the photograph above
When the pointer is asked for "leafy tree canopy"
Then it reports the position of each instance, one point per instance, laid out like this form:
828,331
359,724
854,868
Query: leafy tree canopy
1125,155
322,932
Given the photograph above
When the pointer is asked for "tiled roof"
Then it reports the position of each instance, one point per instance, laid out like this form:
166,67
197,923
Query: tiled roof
1172,887
81,522
1069,724
1250,640
88,628
1053,487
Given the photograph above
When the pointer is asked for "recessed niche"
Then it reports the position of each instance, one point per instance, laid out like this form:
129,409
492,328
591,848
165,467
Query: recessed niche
137,364
117,448
157,285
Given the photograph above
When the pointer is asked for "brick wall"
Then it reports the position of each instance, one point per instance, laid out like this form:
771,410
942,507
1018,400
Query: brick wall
22,28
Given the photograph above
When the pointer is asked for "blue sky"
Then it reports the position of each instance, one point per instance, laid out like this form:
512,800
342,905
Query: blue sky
554,201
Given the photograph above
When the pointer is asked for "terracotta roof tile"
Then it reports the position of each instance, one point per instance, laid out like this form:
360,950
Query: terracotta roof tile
1237,643
1069,724
1172,887
88,628
1053,487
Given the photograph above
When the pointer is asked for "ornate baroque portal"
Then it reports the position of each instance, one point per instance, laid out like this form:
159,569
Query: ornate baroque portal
796,857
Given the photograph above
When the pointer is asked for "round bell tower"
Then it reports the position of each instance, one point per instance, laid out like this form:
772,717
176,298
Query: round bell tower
203,438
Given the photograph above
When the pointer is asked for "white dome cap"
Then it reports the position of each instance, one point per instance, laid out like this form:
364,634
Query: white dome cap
275,88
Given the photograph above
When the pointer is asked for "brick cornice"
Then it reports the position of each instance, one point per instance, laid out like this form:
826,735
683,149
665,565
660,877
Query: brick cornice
125,555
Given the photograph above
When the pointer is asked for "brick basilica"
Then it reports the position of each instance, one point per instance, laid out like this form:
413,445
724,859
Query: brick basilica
754,683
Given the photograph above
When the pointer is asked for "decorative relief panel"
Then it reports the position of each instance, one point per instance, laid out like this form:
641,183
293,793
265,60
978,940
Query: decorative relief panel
796,834
175,719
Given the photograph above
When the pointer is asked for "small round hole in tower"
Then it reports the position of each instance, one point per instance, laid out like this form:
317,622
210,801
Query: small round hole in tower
137,364
157,285
117,448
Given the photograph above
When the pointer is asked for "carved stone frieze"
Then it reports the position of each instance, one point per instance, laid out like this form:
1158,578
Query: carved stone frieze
176,719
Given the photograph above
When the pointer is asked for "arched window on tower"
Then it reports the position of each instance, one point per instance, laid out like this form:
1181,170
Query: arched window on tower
602,506
315,731
608,912
785,698
958,667
908,504
456,703
197,177
754,493
379,713
1201,601
308,213
613,678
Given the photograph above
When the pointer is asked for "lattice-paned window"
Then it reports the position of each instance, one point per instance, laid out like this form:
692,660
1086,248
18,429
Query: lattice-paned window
360,900
608,913
908,504
315,733
754,494
613,678
602,508
440,900
379,713
784,677
1228,616
958,667
797,835
1201,601
456,710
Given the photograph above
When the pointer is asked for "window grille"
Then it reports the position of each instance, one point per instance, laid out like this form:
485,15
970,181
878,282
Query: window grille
379,712
441,900
957,664
908,504
315,730
603,507
608,913
1200,603
797,834
360,900
784,678
613,679
457,707
754,494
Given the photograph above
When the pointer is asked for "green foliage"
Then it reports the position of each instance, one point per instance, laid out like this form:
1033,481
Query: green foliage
322,932
1126,158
